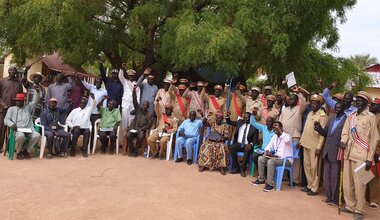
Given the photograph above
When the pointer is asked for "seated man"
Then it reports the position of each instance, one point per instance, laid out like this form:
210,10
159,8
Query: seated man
110,119
167,125
79,122
246,136
19,117
49,119
279,147
188,135
139,126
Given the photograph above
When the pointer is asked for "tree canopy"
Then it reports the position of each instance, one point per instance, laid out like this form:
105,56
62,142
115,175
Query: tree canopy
233,37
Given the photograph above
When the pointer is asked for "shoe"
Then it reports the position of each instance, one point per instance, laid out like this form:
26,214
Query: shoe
332,204
201,169
72,153
26,155
189,162
49,156
223,171
130,155
233,171
345,209
358,216
63,154
242,173
179,160
257,182
155,156
311,193
306,190
111,152
373,205
19,156
84,153
135,155
268,188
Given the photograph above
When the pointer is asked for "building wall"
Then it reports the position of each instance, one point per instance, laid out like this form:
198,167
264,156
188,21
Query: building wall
374,92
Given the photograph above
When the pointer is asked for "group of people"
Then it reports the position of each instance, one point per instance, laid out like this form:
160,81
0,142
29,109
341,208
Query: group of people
269,128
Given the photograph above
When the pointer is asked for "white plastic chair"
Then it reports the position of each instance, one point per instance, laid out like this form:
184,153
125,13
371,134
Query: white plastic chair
96,136
37,122
168,146
66,128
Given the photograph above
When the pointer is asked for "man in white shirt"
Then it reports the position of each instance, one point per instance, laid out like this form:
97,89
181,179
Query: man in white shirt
99,93
79,122
279,147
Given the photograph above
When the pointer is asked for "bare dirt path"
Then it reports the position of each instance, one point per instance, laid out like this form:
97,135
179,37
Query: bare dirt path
118,187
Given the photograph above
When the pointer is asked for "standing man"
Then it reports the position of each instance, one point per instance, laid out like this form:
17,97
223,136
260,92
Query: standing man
180,105
9,87
215,102
237,106
348,98
60,91
51,117
20,116
80,124
359,139
270,110
291,118
113,84
268,90
332,132
188,134
167,125
251,101
246,136
312,143
148,90
35,81
197,104
127,104
163,98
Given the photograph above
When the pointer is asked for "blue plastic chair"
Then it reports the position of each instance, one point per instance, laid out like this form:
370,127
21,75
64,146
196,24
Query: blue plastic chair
279,170
195,147
239,154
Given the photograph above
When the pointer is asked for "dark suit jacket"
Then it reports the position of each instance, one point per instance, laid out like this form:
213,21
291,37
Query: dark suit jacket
253,133
332,139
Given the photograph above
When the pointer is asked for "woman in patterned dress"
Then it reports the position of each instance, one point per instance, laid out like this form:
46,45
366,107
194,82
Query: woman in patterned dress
214,155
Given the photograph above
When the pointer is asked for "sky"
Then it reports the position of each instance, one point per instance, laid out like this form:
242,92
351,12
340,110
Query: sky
360,34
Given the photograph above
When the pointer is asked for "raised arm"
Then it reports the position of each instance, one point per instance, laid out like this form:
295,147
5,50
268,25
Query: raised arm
87,85
35,100
302,102
254,123
140,80
326,96
122,79
102,71
186,94
70,83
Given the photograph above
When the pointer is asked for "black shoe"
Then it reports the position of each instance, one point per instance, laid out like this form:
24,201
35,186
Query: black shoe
233,171
63,154
26,154
223,171
345,209
72,153
268,188
179,160
201,169
189,162
84,153
306,190
155,156
257,182
19,156
311,193
358,216
242,173
49,156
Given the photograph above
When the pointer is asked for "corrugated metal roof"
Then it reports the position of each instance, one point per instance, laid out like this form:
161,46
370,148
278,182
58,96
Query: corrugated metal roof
55,62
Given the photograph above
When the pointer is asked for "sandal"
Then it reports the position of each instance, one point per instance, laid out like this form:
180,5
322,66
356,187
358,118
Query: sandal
49,156
373,205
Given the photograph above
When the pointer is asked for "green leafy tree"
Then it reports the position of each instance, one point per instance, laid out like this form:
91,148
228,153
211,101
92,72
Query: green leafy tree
233,38
363,60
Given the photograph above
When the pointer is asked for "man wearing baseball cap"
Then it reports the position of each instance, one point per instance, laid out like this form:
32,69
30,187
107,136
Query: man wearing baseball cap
359,141
19,118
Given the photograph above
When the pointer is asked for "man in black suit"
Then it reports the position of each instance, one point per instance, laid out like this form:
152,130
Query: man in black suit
332,132
246,136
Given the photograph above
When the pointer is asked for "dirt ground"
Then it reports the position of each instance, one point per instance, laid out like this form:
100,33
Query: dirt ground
119,187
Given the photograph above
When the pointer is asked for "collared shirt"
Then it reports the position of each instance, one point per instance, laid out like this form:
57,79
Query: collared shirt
114,87
8,90
142,120
310,138
98,93
267,134
336,122
331,102
148,92
241,133
109,118
281,146
51,118
81,117
60,92
191,128
22,117
127,92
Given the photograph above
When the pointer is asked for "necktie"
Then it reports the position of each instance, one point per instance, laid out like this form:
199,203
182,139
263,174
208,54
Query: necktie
244,134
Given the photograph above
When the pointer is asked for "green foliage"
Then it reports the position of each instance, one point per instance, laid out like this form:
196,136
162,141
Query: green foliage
364,60
235,37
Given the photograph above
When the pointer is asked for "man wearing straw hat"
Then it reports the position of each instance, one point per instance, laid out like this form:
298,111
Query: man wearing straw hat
359,139
312,142
20,117
35,80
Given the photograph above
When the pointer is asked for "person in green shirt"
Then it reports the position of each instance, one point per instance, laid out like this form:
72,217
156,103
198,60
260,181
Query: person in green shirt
110,119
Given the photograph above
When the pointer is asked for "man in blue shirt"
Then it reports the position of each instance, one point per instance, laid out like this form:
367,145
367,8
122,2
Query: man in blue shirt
188,135
113,84
148,90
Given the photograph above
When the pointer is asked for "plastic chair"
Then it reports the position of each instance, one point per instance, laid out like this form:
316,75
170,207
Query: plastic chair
195,147
239,154
10,146
168,146
279,170
96,136
37,123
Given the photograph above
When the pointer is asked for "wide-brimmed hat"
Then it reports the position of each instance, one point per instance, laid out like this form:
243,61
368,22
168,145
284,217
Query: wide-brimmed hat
31,76
365,95
131,72
19,97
